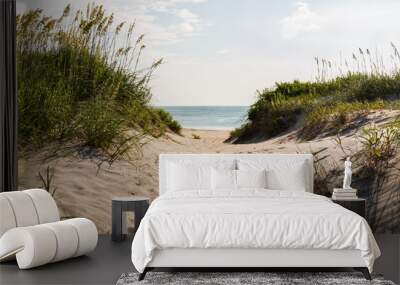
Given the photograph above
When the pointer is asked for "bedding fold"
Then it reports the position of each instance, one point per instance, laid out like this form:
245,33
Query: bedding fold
252,218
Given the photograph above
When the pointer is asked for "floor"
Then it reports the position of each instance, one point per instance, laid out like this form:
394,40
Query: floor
110,260
103,266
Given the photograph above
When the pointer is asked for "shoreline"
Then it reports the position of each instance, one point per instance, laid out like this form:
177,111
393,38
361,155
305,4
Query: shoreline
207,130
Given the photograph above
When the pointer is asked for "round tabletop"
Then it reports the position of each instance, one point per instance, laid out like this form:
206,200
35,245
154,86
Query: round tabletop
348,199
131,199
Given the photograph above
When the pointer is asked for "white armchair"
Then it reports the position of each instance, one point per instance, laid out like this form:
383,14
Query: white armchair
31,230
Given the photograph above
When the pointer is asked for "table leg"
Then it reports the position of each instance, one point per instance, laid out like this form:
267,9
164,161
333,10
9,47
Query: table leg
116,233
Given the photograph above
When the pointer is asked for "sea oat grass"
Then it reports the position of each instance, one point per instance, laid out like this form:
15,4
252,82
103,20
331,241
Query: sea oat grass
80,78
319,105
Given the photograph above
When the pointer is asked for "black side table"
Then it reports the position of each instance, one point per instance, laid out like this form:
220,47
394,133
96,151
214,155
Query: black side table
121,205
357,205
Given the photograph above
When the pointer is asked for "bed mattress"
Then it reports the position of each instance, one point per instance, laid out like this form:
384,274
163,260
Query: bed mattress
250,219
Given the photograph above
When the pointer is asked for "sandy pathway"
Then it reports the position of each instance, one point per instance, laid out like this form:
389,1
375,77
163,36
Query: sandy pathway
83,191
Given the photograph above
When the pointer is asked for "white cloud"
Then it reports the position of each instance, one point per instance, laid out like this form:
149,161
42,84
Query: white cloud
223,51
302,20
184,23
166,5
186,15
190,22
188,75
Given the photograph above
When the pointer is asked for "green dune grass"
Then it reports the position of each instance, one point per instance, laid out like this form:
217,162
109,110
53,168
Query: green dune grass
80,79
331,106
320,106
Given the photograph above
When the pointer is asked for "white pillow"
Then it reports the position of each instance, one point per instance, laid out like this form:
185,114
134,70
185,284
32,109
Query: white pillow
204,162
293,180
251,179
223,179
193,174
281,174
181,177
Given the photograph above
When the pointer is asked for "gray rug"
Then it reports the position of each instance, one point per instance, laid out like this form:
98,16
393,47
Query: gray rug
269,278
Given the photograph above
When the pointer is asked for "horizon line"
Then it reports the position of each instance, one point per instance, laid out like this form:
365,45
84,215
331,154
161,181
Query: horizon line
201,105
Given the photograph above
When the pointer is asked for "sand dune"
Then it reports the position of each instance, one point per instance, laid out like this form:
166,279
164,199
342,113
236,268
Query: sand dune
83,191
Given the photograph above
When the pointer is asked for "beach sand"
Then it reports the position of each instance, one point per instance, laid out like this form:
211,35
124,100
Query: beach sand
85,191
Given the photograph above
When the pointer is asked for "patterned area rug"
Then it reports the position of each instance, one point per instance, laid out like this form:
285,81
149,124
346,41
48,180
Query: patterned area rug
269,278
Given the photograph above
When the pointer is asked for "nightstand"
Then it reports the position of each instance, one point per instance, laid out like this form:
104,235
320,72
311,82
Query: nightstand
121,205
357,205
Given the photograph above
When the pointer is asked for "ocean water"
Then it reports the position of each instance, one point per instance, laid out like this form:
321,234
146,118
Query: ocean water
209,117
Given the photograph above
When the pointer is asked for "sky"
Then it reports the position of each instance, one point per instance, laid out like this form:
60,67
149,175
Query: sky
219,52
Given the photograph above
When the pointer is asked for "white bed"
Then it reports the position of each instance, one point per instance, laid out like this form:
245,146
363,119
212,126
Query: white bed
281,224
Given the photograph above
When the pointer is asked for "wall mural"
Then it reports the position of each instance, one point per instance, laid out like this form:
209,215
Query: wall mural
106,86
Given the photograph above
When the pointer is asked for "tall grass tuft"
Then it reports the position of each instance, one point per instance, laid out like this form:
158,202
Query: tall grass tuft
380,169
339,94
376,174
47,180
80,78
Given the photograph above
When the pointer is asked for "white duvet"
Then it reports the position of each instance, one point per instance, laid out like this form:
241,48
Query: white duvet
250,219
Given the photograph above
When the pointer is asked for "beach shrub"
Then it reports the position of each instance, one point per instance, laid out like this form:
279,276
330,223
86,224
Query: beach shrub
376,174
175,126
379,145
323,106
78,82
379,172
339,116
47,180
166,117
100,125
152,121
